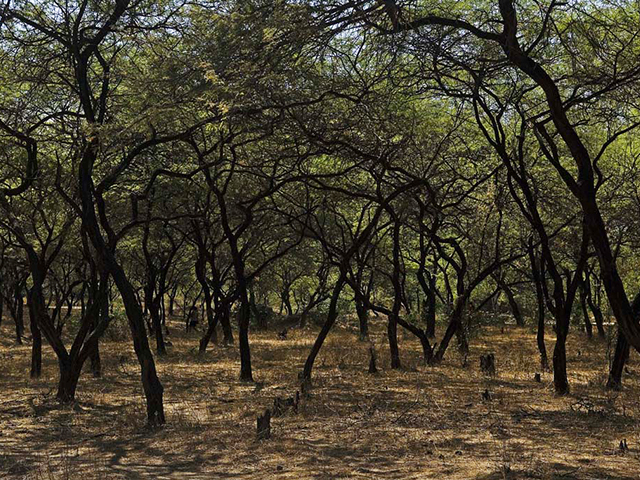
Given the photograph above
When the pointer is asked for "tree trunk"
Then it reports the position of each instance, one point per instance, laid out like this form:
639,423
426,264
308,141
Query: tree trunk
515,309
286,300
68,382
621,354
96,363
430,307
538,274
542,348
455,322
18,317
392,320
227,331
331,319
36,343
209,334
588,326
172,298
595,309
363,319
154,310
560,382
620,358
243,335
392,334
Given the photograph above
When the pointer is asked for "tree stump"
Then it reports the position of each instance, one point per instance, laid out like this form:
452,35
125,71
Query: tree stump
488,364
282,405
486,395
264,425
372,360
537,378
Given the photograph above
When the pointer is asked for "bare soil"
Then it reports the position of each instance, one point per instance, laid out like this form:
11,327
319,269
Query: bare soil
416,423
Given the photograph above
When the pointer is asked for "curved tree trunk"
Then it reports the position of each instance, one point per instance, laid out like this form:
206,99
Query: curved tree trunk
455,324
331,319
620,357
513,304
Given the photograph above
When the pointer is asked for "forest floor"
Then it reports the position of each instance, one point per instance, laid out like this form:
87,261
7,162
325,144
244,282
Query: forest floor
416,423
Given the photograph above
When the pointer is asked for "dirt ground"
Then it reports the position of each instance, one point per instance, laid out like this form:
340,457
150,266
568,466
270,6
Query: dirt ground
416,423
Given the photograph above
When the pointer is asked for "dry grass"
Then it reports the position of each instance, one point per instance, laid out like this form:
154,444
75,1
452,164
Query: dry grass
417,423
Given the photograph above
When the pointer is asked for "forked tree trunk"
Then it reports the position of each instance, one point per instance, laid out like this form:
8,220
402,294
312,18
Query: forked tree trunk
68,381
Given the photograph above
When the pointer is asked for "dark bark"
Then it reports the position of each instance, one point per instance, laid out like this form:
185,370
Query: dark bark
430,307
286,300
588,326
36,341
560,381
209,335
621,353
68,381
172,298
513,304
227,331
584,188
455,324
537,280
363,318
94,356
331,319
594,306
392,321
620,357
244,318
18,314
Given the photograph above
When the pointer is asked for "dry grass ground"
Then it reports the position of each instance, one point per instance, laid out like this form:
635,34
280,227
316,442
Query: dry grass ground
417,423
